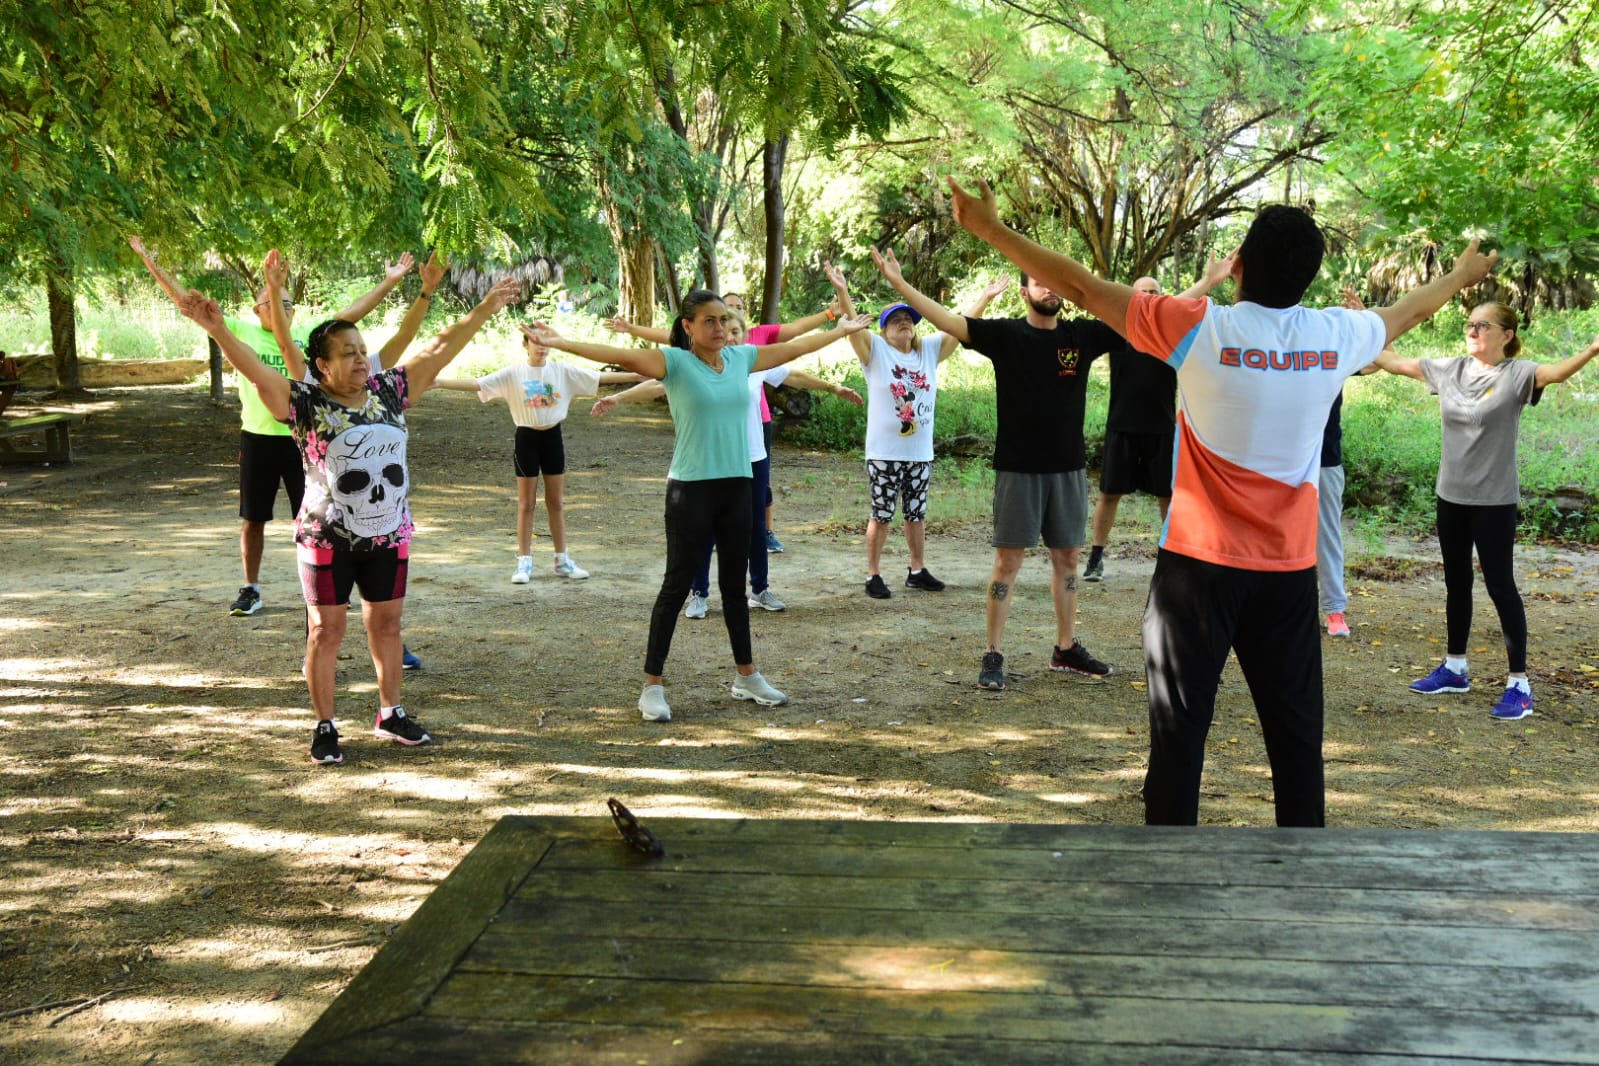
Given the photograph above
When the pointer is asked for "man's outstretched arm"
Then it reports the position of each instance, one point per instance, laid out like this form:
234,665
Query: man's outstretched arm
1105,300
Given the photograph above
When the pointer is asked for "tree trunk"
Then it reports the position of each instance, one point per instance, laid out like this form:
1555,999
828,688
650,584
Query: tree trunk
773,155
674,295
704,227
63,327
635,261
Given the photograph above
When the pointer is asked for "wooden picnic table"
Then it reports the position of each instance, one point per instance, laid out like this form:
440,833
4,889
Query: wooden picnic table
890,942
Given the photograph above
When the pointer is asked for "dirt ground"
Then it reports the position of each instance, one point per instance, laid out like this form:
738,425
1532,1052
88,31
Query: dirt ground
168,845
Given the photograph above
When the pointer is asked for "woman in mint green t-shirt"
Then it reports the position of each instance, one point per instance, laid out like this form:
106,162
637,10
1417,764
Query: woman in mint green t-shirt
708,485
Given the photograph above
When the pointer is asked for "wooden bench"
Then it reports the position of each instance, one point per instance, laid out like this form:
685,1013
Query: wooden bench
56,430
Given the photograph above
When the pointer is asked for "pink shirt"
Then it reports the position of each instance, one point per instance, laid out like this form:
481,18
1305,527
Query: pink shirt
759,335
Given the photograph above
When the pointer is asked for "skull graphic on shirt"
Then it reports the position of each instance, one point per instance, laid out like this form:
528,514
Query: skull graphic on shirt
368,478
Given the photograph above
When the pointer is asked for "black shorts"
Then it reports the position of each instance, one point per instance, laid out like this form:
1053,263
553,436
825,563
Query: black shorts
328,574
1137,462
540,451
264,462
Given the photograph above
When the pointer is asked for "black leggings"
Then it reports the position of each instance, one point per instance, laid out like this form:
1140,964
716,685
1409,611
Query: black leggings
1492,530
699,514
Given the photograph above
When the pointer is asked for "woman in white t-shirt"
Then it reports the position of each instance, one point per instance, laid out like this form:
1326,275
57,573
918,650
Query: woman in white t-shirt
1481,398
539,394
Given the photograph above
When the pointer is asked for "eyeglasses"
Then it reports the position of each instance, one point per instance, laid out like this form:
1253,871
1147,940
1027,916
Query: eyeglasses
1474,328
288,304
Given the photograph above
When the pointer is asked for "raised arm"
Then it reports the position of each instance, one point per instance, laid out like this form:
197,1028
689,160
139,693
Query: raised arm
799,379
432,273
647,334
801,326
1420,303
1105,300
423,367
169,285
770,355
271,386
859,341
647,362
1555,373
974,309
943,319
1217,272
643,392
456,384
392,274
275,272
1389,360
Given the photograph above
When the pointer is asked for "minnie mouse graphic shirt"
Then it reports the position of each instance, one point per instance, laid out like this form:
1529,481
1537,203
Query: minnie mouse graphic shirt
901,395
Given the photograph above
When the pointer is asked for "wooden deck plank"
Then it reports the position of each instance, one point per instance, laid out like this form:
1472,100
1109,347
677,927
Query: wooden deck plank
1507,872
972,928
1128,1020
420,955
693,956
1460,845
1052,899
579,1044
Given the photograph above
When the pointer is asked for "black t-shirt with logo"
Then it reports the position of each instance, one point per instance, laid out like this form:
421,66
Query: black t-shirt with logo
1040,388
1143,392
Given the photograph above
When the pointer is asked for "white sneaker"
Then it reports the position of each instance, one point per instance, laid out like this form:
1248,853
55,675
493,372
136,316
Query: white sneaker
697,606
565,567
755,687
767,600
652,704
524,570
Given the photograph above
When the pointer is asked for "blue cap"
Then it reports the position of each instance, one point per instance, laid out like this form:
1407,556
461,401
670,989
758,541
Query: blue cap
882,319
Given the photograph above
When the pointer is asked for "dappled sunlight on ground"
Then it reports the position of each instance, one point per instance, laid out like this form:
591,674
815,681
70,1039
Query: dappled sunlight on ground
167,838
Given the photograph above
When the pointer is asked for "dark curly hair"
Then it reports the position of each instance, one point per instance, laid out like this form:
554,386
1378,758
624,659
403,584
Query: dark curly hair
316,345
1281,256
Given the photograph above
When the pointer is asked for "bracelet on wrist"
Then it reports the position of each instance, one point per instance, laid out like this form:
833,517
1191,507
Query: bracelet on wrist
832,315
425,296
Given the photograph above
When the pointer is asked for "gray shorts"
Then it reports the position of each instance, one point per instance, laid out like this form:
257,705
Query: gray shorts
1026,505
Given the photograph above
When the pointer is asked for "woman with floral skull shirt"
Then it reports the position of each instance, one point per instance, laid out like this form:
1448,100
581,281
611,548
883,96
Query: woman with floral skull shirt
354,527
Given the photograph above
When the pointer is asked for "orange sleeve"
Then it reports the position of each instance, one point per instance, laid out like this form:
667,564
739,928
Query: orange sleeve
1157,324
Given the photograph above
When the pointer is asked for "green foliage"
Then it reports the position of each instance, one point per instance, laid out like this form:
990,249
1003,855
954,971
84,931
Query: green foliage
1457,118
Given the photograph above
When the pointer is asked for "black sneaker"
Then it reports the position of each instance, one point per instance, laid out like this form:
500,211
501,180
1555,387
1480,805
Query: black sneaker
876,588
1095,570
325,744
247,602
993,672
1077,659
923,579
400,726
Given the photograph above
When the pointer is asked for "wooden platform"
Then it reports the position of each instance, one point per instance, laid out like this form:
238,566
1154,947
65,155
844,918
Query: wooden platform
872,942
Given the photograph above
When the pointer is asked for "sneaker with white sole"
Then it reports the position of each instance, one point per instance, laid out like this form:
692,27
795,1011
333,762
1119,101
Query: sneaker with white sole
524,570
767,600
247,602
652,704
697,606
1442,679
565,567
773,545
402,727
325,744
1513,706
1337,625
757,688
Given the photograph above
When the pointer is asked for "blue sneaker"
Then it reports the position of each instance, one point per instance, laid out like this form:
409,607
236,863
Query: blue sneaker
1512,705
773,545
409,661
1442,679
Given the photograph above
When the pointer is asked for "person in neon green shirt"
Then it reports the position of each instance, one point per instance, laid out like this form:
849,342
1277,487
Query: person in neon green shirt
267,455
